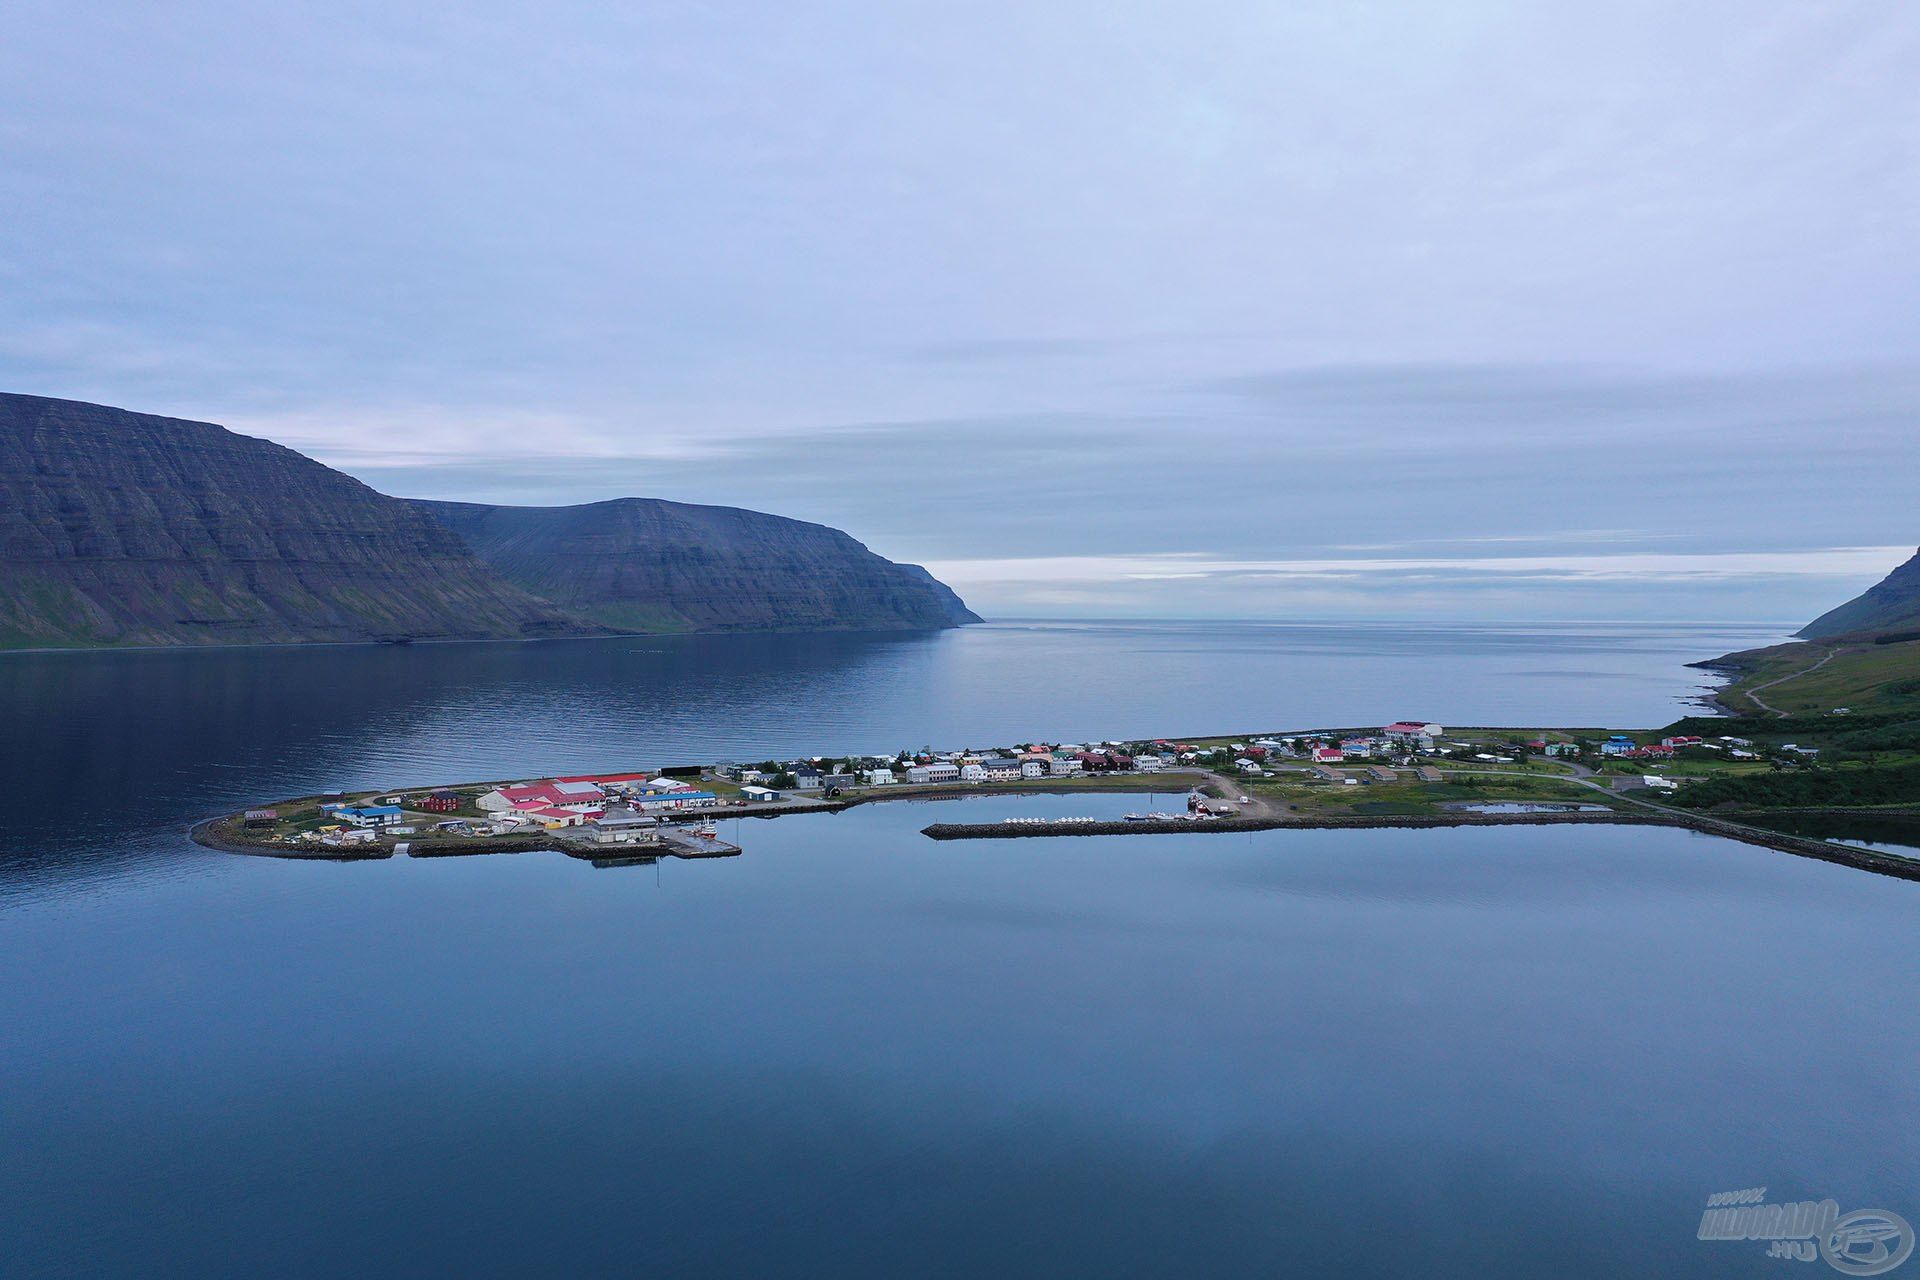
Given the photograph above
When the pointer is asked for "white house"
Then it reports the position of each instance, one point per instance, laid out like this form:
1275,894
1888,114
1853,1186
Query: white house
1149,764
938,771
975,772
1001,769
1059,765
877,777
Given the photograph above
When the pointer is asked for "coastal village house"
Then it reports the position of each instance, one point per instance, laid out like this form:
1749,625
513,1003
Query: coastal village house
936,771
1412,735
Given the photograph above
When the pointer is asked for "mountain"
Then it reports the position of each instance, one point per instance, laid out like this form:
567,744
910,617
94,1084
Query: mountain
1892,606
126,528
644,564
121,528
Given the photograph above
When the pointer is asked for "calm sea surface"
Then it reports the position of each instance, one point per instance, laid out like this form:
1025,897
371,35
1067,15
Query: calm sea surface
855,1052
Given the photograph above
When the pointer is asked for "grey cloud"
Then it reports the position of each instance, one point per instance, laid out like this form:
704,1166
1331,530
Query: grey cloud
1235,279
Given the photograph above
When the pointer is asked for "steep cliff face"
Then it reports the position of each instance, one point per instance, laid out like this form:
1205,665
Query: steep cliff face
126,528
1893,605
649,565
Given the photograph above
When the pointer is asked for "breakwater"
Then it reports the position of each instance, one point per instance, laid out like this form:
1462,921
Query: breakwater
1181,826
1878,862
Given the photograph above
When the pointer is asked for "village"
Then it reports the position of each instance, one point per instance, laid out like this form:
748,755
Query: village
1409,767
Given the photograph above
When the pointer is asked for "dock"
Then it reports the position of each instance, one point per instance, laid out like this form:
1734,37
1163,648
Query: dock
684,842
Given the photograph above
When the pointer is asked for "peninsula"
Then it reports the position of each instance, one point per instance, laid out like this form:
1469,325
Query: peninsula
1731,777
1787,760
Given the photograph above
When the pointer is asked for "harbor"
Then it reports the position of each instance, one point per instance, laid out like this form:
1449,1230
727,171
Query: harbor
1409,774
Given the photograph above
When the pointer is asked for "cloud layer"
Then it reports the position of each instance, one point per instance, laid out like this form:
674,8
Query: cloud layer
1018,281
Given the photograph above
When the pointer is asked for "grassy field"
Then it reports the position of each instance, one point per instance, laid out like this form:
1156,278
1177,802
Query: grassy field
1409,796
1688,764
1544,765
1814,679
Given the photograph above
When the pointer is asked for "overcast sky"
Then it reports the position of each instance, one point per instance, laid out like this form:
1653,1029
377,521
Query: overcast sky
1199,309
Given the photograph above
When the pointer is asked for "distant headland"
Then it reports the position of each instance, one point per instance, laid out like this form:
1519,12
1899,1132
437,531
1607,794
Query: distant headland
127,529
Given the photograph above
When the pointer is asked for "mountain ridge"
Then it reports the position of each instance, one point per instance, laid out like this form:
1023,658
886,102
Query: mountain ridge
1892,604
119,528
656,564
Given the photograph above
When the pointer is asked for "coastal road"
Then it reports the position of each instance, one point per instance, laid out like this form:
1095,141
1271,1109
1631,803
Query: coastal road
1753,694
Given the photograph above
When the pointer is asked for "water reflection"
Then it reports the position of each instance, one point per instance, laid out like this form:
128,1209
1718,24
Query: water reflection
119,751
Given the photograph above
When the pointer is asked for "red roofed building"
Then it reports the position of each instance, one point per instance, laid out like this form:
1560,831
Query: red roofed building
560,793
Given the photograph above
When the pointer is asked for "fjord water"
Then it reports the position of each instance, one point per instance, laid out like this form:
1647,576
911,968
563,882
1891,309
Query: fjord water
853,1051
